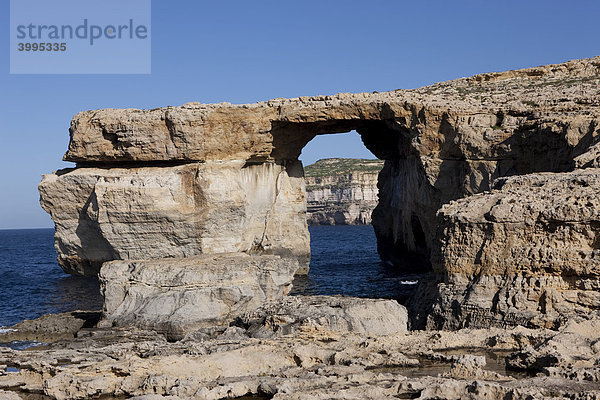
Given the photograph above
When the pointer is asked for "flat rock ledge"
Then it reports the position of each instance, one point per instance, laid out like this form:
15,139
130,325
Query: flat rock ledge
178,295
311,362
333,313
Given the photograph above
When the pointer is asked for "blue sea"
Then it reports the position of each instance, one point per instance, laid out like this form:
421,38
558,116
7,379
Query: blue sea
344,261
32,283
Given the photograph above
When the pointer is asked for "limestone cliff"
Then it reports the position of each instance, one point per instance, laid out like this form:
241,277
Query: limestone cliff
341,191
133,213
197,179
526,252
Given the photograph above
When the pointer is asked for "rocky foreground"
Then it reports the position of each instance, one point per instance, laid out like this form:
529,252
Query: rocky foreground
302,348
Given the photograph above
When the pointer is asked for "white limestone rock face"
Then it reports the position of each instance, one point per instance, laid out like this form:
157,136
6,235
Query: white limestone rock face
176,296
104,214
527,252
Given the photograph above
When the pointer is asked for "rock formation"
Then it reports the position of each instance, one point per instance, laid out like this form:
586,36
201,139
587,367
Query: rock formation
178,295
132,213
332,313
341,191
526,252
209,179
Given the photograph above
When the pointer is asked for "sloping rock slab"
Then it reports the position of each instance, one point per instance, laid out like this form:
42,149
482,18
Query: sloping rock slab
333,313
50,327
175,296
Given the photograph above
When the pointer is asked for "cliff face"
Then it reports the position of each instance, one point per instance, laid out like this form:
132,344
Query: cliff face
133,213
341,191
527,252
177,182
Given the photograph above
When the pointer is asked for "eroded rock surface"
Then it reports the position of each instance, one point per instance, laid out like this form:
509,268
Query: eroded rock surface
527,252
176,296
333,313
310,363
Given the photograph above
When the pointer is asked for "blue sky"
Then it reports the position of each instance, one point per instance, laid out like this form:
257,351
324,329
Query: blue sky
241,51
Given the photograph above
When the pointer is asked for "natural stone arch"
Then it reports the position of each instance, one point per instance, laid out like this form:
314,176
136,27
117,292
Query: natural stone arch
179,182
404,217
437,148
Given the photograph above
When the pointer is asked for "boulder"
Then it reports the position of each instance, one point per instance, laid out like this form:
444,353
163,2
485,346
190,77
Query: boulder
333,313
176,296
589,159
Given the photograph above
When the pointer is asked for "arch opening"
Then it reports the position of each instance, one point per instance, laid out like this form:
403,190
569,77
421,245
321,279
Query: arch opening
403,186
346,255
